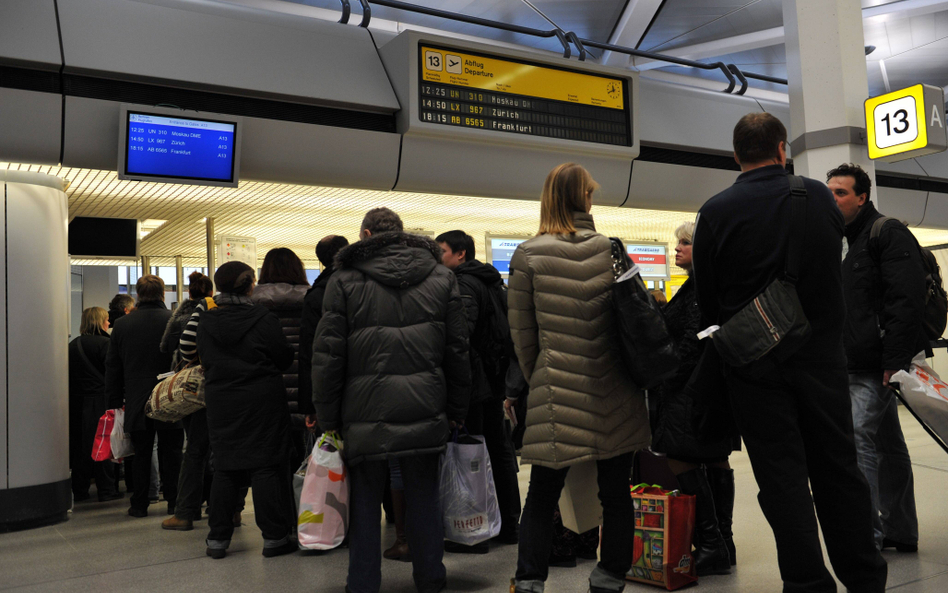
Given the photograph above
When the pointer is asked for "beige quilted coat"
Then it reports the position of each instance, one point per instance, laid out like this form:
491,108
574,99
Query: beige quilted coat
582,404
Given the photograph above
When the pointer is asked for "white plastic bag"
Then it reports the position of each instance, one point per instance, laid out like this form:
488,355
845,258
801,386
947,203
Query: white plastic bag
119,440
468,496
925,394
324,501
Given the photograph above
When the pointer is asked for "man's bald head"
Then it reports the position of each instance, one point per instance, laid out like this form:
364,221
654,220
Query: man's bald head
328,247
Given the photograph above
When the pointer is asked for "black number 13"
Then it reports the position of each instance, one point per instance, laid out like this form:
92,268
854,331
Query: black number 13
902,118
435,61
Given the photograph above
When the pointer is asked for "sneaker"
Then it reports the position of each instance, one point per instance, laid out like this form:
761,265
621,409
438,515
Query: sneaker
139,513
899,546
287,548
215,553
176,524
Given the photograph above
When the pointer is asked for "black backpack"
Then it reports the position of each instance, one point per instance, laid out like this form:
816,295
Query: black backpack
936,299
497,348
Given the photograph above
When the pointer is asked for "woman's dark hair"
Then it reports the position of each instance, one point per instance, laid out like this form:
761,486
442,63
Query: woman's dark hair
282,265
234,277
757,138
862,184
199,286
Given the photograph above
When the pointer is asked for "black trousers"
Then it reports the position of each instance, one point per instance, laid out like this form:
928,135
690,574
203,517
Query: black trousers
798,428
170,445
269,504
487,419
84,419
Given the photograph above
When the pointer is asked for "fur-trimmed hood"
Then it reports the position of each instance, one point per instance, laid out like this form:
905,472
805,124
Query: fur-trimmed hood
395,259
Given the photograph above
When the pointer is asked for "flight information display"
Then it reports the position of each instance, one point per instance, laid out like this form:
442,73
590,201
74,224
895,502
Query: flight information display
460,88
501,252
652,259
180,148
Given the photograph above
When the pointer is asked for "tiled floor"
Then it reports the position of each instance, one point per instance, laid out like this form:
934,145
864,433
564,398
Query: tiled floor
101,549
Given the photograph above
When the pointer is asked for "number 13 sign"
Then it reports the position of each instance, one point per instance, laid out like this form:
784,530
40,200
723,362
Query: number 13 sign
906,123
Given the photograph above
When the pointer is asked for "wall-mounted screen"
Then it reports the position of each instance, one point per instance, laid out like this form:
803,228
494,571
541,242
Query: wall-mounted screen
652,259
103,238
174,146
500,251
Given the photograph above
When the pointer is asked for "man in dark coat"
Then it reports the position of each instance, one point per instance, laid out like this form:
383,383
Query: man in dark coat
132,368
390,371
489,363
793,412
326,251
884,287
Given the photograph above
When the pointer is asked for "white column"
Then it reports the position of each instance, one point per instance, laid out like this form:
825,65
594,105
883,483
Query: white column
826,68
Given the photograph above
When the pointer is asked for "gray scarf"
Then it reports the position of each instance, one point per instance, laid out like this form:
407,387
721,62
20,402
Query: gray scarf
229,298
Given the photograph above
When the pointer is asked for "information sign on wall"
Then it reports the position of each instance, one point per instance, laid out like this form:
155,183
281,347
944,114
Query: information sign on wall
652,259
242,249
906,123
500,251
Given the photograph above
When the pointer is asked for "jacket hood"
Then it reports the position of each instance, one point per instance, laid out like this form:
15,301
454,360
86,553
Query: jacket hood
394,259
229,324
280,295
486,273
186,308
862,220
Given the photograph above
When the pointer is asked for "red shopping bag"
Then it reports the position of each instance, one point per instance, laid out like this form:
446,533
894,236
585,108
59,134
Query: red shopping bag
102,445
664,524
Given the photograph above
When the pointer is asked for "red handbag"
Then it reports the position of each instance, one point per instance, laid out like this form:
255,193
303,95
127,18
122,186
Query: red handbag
664,524
102,445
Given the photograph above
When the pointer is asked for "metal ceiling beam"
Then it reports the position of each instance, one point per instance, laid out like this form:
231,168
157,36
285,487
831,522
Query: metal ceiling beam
718,47
630,29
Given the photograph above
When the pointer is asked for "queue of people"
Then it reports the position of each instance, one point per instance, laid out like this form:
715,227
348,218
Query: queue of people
403,339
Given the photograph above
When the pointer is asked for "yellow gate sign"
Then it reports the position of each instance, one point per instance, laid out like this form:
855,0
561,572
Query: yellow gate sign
906,123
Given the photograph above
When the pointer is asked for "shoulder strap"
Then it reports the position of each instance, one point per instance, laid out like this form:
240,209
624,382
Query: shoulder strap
85,359
797,228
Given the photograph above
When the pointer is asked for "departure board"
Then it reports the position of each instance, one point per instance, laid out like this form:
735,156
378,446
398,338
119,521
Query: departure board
181,147
474,90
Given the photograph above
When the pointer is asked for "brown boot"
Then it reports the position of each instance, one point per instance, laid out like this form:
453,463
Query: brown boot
399,550
176,524
237,519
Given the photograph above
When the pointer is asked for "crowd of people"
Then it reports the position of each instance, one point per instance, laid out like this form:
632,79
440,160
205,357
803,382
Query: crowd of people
402,339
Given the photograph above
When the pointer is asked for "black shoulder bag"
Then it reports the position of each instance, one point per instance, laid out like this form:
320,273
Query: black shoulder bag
774,321
647,347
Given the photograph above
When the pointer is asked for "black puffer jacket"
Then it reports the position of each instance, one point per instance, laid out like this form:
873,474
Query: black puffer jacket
390,362
312,313
244,352
474,278
174,329
286,302
883,297
674,429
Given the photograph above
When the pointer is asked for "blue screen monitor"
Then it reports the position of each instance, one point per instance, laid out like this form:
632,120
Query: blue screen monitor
500,250
175,146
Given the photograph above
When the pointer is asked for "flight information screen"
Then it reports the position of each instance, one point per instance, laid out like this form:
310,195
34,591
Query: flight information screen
473,90
502,251
179,147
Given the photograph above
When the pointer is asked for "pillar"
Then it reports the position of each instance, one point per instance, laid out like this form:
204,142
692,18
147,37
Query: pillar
211,259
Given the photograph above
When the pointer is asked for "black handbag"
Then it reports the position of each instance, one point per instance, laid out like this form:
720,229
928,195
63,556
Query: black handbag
774,322
647,347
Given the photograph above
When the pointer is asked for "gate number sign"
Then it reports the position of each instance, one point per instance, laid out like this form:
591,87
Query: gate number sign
906,123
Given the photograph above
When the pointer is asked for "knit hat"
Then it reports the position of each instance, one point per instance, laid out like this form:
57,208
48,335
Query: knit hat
234,277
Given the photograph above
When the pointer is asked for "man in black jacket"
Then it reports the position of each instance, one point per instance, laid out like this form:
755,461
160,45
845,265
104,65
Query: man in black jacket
326,251
391,371
884,287
489,363
132,367
793,412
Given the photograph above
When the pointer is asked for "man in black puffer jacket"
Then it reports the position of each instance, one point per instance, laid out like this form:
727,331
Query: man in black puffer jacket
884,287
390,371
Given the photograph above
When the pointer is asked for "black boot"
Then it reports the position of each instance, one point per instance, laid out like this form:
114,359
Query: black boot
711,556
722,487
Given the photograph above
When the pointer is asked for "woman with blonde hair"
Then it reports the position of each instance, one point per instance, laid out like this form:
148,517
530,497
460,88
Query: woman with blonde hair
582,405
87,404
697,456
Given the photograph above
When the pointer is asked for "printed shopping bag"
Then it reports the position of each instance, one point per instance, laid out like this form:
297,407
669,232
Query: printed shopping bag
324,500
300,476
468,497
579,502
119,440
664,524
925,395
101,446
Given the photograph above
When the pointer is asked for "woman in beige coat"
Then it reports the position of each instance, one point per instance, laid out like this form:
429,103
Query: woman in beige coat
582,405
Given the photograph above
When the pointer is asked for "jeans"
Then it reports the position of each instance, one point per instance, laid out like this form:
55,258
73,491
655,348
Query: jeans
423,525
170,443
269,504
154,482
883,458
191,478
797,426
618,526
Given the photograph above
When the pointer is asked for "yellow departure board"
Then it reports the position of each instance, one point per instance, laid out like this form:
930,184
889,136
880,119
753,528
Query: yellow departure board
477,90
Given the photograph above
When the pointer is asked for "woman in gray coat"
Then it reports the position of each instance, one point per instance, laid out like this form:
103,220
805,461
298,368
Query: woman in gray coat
582,405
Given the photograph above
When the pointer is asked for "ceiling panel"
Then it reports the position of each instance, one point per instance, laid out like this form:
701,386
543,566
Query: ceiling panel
686,22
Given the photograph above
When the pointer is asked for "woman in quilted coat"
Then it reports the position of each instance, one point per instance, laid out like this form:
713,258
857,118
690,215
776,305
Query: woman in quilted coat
582,405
